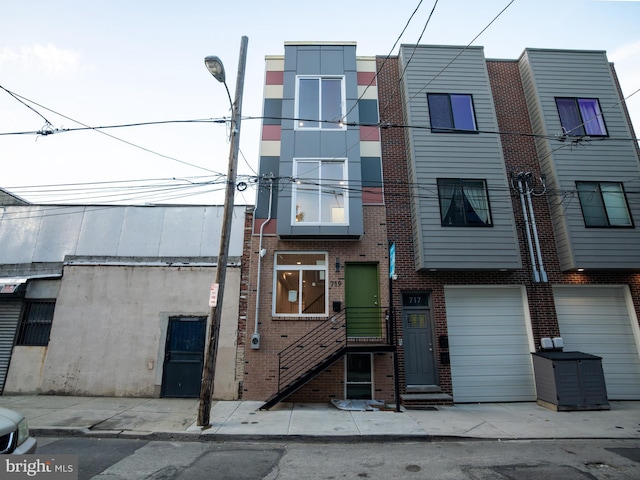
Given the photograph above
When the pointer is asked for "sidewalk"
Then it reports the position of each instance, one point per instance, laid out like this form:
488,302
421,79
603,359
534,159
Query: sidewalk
165,418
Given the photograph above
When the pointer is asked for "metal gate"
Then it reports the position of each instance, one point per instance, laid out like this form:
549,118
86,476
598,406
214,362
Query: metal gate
9,319
184,357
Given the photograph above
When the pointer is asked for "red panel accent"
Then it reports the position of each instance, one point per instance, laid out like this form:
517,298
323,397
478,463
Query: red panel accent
271,132
269,229
366,78
371,134
372,195
274,78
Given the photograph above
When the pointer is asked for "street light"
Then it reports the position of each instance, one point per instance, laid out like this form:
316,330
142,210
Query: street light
215,66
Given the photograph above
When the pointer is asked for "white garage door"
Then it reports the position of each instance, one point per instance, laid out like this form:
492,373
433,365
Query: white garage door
489,345
596,320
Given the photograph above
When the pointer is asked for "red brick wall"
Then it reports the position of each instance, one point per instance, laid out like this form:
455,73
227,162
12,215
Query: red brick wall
261,366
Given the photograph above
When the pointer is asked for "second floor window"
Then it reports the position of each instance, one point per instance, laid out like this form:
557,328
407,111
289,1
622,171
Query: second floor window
463,203
320,103
451,112
320,192
581,116
604,204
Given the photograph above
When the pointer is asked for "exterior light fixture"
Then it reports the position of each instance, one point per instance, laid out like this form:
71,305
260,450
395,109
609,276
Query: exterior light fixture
215,67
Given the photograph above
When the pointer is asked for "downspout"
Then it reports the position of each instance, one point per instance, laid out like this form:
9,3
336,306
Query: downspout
536,275
543,274
255,338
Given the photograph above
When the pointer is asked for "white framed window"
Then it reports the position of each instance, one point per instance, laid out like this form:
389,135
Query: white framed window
320,192
320,103
300,284
358,384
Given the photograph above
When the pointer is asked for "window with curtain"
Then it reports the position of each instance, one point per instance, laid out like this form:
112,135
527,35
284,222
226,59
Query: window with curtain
451,112
300,284
581,116
320,192
320,103
604,204
464,203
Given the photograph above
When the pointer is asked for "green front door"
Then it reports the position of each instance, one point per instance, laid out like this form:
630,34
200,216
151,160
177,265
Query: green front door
362,299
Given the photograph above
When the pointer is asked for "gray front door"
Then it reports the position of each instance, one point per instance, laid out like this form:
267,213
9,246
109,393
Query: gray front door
418,341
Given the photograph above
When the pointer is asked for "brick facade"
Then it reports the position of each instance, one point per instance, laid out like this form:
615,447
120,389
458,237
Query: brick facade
520,156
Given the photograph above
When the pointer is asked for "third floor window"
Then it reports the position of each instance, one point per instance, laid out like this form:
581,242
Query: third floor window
581,116
320,103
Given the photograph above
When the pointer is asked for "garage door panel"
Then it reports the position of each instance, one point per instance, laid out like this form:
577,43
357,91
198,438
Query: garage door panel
489,345
596,320
474,370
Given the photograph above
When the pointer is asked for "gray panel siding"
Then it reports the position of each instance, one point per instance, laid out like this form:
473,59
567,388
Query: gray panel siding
296,144
455,155
582,74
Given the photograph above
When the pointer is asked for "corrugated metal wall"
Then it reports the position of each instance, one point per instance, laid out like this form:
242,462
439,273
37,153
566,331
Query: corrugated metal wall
9,318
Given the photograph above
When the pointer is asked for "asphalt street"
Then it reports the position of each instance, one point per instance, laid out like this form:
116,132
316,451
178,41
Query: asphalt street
135,459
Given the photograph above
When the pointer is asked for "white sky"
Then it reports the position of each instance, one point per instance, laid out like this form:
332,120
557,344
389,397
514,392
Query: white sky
127,61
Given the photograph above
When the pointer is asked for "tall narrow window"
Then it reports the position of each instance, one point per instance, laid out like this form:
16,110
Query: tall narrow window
451,112
464,203
604,204
36,323
359,380
320,103
300,284
320,192
581,116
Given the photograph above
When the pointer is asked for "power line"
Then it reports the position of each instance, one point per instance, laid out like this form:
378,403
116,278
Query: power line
96,129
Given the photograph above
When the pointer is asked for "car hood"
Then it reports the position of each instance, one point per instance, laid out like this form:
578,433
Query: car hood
9,420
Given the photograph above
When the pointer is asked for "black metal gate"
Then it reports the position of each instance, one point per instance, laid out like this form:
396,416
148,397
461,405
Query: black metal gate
184,357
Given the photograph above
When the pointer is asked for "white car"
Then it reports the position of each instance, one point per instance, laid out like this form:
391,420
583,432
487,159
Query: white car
14,434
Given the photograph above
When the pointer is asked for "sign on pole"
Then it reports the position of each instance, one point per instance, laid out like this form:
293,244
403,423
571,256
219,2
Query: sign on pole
213,295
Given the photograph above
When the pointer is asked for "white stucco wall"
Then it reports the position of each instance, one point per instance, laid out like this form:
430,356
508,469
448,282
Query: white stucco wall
110,323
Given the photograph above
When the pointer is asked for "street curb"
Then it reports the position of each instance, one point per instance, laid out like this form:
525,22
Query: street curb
272,438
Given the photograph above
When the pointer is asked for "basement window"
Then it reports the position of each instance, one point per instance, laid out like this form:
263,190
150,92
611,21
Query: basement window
359,376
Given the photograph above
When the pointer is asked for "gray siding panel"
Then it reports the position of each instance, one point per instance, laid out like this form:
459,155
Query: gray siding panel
296,144
548,74
455,155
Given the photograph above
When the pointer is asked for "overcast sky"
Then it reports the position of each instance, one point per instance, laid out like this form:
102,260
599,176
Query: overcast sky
120,62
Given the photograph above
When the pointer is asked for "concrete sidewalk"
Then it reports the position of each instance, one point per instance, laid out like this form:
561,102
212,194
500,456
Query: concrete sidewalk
164,418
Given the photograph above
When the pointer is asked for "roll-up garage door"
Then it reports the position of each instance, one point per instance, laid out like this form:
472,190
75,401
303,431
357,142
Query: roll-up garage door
597,320
489,345
9,318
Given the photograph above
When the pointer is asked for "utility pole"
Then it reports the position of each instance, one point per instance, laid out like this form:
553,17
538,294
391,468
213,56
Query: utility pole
209,369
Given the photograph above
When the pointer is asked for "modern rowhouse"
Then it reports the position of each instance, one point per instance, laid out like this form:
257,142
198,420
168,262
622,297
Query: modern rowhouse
511,194
319,253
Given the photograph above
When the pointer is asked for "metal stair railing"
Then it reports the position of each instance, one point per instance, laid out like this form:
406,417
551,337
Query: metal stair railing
302,356
352,329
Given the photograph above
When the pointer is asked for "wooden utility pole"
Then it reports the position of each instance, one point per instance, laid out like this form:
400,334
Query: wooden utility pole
208,372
